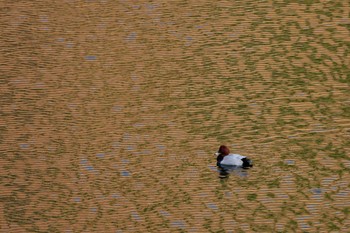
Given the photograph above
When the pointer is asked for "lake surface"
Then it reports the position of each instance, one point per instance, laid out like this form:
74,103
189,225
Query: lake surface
111,112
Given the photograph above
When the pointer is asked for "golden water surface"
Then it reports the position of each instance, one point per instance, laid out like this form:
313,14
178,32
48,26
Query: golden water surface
111,111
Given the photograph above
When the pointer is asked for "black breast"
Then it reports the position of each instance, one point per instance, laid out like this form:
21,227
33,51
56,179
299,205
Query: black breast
219,159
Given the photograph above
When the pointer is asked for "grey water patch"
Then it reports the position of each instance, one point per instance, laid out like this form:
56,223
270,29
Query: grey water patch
343,184
125,161
135,216
131,37
151,6
77,199
126,137
116,195
347,164
70,45
83,161
316,197
312,208
241,173
117,108
193,229
342,194
100,155
125,173
289,162
201,153
146,152
116,145
179,223
164,213
282,196
90,168
288,179
130,148
212,168
93,209
316,191
302,221
135,88
87,167
72,106
161,147
317,128
212,206
60,39
39,85
24,145
233,36
304,226
90,58
279,227
327,181
138,125
245,226
266,200
334,188
189,38
44,19
303,217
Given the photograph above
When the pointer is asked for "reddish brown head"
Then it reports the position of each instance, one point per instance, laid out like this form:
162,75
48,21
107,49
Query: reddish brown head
223,150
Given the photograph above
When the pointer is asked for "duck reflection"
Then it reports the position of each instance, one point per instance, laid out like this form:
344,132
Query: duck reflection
226,170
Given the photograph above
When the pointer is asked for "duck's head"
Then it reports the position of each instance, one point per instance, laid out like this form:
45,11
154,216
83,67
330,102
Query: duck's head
223,151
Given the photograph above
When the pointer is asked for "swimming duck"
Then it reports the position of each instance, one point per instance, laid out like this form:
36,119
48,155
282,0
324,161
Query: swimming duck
224,158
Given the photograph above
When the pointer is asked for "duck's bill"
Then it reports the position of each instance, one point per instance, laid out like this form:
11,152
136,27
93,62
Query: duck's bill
217,153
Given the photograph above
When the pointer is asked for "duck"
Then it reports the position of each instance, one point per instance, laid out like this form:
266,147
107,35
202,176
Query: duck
225,158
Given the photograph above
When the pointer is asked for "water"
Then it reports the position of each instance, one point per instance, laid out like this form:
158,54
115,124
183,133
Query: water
125,173
90,57
111,115
132,36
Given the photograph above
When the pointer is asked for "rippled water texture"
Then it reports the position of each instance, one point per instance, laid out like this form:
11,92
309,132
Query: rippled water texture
111,111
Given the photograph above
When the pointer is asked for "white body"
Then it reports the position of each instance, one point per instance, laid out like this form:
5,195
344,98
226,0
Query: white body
233,160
